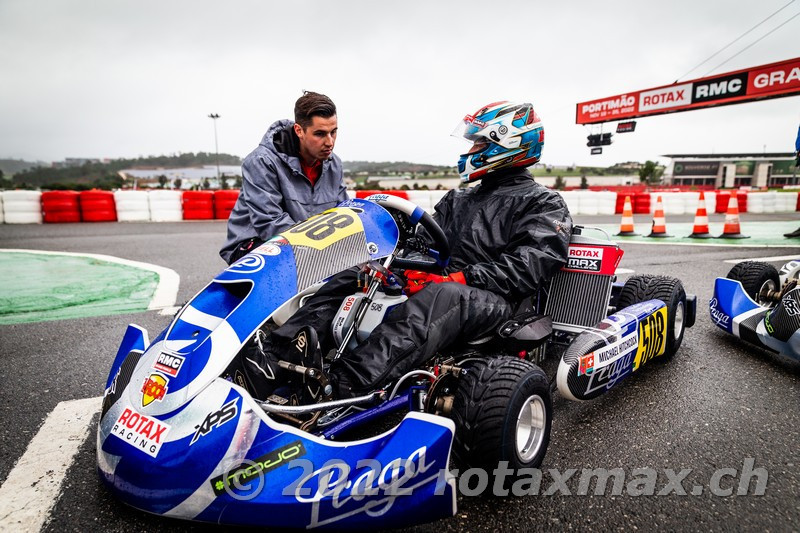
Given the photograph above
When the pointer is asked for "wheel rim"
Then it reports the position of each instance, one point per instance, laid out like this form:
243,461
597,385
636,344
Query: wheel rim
531,423
765,288
679,318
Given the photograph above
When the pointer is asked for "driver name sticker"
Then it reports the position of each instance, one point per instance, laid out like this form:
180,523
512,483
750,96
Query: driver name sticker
325,229
652,337
608,354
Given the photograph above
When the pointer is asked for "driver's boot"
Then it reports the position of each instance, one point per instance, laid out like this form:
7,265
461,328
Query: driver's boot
304,350
259,361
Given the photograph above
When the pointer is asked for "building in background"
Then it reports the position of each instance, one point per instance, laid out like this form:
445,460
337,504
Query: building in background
732,170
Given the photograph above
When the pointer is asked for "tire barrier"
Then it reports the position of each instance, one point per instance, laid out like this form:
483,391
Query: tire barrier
198,205
674,203
641,204
30,207
224,202
606,202
22,207
587,202
132,206
786,202
60,206
165,206
98,206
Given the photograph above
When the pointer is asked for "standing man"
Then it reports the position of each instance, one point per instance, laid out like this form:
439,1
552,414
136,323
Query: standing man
291,175
797,148
796,233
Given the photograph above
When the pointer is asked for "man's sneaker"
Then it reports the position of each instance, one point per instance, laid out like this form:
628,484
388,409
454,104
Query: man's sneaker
795,233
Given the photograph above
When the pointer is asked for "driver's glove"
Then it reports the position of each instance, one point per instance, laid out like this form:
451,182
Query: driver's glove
418,280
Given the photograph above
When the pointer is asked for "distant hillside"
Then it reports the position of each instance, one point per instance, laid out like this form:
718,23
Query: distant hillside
12,166
402,167
105,174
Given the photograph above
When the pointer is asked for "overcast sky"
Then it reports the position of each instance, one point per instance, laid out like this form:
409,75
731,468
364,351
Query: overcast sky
125,78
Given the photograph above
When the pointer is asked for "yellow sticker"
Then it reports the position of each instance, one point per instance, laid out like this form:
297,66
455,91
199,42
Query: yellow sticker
325,229
652,337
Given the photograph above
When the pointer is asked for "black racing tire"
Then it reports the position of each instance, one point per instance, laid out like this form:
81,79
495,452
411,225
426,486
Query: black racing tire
756,278
669,290
503,411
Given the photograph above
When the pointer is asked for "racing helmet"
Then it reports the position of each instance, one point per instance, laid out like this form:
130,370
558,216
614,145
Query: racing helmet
504,135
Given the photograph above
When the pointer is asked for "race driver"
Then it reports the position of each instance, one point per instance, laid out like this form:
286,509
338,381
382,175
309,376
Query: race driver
507,235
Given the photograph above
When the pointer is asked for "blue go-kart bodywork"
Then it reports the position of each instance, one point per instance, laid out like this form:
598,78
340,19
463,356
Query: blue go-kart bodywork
760,306
177,439
181,436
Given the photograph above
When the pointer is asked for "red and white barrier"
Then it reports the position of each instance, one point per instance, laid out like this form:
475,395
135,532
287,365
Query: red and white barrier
22,207
165,206
61,206
132,206
26,207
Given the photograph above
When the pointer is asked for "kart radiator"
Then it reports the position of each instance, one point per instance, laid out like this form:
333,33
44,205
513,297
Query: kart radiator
579,293
578,299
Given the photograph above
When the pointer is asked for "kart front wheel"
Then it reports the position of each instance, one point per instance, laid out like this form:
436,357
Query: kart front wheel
502,412
758,279
669,290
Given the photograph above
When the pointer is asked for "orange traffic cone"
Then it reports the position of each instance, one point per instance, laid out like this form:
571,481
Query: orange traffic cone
731,229
700,230
626,226
659,223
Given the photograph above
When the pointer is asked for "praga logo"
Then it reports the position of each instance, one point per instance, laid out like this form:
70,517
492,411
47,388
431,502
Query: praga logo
719,316
154,389
142,432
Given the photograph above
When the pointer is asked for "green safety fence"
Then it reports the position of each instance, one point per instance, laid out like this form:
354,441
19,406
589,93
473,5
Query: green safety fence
39,287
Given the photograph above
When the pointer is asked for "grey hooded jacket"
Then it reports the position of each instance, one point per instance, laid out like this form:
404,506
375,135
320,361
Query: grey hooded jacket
275,193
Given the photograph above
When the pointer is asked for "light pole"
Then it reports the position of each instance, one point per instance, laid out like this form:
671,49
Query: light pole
214,117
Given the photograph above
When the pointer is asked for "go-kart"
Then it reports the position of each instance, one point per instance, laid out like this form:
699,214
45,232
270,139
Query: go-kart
760,305
181,436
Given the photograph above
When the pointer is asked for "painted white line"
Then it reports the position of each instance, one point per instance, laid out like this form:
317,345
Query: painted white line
168,280
624,271
774,258
33,486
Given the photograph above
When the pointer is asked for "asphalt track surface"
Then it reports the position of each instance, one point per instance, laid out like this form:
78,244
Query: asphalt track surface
716,404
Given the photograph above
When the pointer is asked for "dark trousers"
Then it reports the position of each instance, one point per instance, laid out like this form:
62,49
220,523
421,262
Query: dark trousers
438,316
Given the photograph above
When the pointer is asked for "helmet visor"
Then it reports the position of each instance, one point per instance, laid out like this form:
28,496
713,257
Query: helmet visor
468,128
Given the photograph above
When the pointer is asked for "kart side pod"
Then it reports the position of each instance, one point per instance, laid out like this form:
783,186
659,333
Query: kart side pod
600,357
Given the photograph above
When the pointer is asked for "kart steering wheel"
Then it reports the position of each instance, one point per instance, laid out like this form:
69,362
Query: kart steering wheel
439,254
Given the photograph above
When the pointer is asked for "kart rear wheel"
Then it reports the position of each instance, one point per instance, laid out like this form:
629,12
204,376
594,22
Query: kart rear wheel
758,279
503,412
669,290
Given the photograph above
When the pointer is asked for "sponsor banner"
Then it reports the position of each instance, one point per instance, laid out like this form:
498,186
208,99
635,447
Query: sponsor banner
154,389
666,97
720,88
168,364
766,81
144,433
692,168
593,259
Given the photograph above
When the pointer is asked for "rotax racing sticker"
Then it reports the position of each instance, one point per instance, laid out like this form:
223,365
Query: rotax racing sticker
142,432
